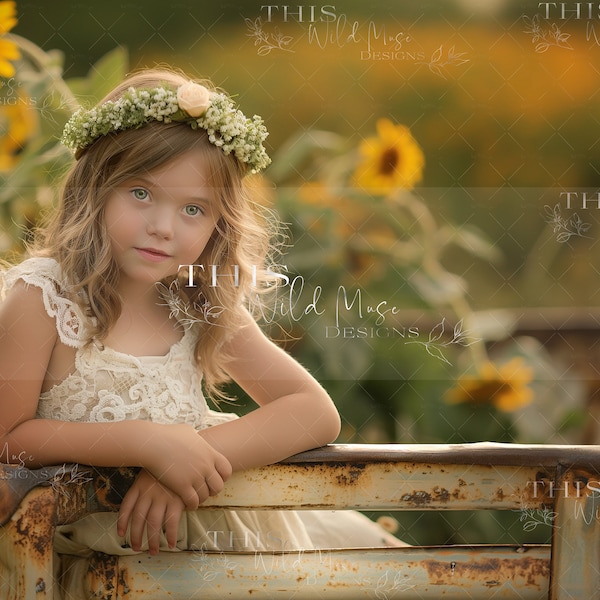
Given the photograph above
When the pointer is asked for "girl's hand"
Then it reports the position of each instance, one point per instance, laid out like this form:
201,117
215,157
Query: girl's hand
149,505
186,463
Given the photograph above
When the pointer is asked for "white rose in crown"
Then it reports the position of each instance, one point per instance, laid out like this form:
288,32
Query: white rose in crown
193,98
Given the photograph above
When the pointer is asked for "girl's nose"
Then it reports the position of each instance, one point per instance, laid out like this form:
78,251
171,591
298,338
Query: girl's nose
161,223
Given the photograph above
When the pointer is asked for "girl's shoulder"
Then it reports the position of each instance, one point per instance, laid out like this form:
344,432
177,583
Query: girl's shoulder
36,270
45,274
40,272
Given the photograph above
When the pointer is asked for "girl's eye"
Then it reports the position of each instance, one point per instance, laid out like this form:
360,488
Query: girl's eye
191,210
140,194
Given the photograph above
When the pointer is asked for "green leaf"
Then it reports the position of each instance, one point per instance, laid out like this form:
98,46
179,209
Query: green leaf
473,240
288,160
441,289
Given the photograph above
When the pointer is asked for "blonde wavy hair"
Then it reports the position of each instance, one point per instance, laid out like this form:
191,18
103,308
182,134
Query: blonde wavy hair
77,237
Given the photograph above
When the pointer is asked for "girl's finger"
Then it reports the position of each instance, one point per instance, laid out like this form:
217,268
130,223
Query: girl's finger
214,483
154,524
127,506
172,519
223,466
191,499
202,491
138,522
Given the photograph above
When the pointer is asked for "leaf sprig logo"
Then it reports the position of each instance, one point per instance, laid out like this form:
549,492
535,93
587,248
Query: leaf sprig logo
547,30
564,228
267,41
436,343
440,60
545,35
533,518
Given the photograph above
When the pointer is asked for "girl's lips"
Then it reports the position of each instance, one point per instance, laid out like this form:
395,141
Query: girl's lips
152,255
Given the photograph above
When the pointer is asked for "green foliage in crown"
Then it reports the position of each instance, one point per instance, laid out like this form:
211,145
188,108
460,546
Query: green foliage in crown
227,127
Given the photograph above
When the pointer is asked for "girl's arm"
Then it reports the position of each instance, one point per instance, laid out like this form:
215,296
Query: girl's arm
295,413
173,453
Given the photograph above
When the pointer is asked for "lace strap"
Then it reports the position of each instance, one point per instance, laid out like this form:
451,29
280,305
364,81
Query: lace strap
45,273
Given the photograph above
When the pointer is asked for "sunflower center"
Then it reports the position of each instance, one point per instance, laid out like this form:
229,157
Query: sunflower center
486,391
388,162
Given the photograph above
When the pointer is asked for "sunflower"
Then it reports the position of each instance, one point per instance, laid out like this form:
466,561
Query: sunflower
17,125
8,49
391,160
504,387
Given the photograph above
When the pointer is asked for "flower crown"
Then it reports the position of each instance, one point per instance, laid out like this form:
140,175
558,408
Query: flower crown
227,127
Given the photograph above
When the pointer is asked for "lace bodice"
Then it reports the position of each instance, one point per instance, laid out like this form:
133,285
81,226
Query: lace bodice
107,385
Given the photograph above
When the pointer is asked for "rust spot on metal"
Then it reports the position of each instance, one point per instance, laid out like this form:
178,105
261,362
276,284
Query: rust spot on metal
71,502
417,498
422,497
7,500
123,582
15,482
490,572
8,506
460,493
35,524
102,575
441,494
352,476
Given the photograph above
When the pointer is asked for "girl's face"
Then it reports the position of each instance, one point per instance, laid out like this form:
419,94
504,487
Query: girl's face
161,220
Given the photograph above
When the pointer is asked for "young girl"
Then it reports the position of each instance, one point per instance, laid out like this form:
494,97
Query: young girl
133,297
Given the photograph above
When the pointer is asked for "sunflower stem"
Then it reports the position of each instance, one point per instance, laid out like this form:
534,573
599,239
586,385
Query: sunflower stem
40,59
431,260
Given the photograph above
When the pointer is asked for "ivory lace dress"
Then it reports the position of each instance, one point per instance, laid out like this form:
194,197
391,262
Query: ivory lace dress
107,385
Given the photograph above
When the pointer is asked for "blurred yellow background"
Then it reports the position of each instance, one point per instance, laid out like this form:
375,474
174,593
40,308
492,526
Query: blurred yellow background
490,262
